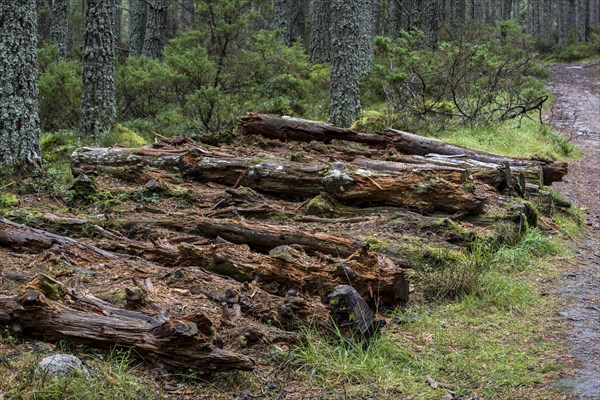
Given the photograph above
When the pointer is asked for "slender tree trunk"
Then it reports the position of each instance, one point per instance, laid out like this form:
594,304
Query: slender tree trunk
60,26
533,23
583,12
320,41
571,21
137,26
516,11
19,120
156,28
187,15
44,19
506,8
298,15
98,96
344,104
431,22
365,41
118,27
545,22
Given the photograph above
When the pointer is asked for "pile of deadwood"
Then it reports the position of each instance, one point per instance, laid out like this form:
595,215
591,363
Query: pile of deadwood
194,255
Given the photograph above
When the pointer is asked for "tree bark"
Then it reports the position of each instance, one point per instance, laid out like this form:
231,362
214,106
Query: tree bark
344,103
48,310
19,119
187,15
156,28
421,189
303,130
60,26
98,105
320,43
137,26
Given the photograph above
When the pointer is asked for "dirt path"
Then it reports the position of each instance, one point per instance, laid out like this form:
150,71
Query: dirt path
577,114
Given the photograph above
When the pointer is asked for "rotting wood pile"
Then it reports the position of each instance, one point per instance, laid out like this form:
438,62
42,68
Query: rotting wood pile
196,256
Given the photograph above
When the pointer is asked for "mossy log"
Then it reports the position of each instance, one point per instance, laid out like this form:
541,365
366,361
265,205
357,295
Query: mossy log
423,189
285,128
47,310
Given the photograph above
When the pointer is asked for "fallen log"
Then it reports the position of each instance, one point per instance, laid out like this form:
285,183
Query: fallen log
24,238
285,128
445,189
47,310
373,275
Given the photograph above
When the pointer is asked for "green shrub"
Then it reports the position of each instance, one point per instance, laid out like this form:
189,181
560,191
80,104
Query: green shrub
60,95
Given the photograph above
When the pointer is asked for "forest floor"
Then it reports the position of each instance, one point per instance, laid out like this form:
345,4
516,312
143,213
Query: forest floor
577,114
152,251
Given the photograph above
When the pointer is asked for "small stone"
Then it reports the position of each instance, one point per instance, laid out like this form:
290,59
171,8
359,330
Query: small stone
60,365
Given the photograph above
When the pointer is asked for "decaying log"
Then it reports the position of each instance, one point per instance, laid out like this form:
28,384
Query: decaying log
22,237
285,128
424,189
47,310
254,301
374,276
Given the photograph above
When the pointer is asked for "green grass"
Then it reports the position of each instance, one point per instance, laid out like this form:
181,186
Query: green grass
514,138
112,376
490,342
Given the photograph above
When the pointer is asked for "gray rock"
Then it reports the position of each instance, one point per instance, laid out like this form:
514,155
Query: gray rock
60,365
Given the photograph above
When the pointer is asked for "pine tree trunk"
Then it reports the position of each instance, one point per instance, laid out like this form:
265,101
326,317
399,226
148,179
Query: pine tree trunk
118,28
137,26
583,11
187,16
365,41
545,24
320,41
156,27
19,120
571,21
98,96
432,23
297,24
516,12
60,26
344,103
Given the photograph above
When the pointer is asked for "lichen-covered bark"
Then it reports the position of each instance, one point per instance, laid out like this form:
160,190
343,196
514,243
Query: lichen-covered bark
365,40
19,120
187,16
118,26
137,26
98,95
60,26
344,103
156,27
583,12
320,41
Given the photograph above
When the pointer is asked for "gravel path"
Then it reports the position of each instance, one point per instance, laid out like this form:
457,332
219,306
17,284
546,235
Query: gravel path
577,114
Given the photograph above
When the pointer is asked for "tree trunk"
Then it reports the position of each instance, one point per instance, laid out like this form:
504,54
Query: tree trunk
118,24
98,105
344,103
19,119
425,190
303,130
583,12
137,26
366,38
156,28
60,26
187,15
320,43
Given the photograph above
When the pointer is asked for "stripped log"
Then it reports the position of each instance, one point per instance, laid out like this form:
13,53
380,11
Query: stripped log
47,310
285,128
423,189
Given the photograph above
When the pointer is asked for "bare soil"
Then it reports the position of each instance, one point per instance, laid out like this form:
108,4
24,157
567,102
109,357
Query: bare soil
577,114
